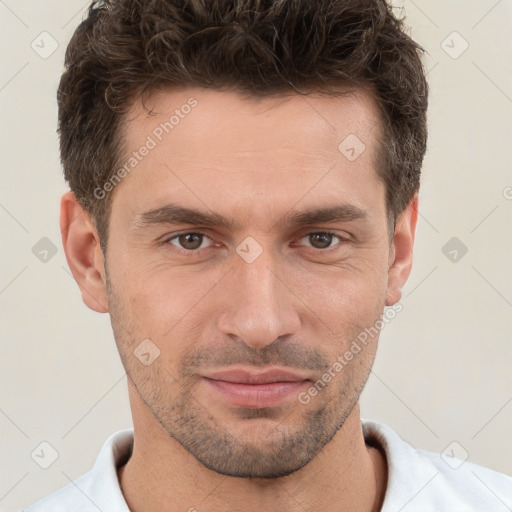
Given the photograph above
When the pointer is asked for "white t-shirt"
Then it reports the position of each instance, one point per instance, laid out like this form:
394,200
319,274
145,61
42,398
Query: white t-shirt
418,480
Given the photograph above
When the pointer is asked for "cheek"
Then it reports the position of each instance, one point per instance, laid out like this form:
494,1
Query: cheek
352,292
161,301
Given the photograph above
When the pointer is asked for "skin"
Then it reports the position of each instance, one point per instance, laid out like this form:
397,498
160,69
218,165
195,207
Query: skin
298,305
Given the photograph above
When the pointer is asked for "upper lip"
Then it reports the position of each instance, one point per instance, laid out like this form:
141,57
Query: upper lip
243,376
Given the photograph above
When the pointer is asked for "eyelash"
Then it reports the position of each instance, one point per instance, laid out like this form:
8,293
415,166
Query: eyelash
193,252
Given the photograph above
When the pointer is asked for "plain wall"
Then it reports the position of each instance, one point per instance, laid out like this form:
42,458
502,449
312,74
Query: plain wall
443,368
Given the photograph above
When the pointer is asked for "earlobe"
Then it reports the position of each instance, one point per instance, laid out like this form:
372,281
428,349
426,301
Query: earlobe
401,252
83,252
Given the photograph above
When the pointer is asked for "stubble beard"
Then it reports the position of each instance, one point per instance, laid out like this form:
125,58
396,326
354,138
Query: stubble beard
283,444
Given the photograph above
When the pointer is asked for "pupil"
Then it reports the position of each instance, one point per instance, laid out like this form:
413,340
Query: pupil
326,238
188,243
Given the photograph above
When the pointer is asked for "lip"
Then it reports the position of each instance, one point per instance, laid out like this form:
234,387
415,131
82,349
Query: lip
255,389
243,376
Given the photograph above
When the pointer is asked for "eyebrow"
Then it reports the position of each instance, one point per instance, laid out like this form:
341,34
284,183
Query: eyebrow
176,214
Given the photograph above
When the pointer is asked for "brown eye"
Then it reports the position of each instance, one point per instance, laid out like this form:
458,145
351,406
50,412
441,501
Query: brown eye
188,241
321,240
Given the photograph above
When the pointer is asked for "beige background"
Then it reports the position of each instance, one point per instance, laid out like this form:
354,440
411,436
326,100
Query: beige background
443,369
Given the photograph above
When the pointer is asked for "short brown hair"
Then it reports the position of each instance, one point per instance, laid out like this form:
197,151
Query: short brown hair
261,47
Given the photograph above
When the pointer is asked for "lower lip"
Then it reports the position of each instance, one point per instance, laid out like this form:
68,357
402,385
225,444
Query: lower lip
256,395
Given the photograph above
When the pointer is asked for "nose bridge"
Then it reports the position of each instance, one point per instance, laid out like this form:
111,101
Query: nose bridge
260,306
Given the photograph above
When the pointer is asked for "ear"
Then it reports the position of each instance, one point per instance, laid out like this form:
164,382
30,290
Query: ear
83,252
400,256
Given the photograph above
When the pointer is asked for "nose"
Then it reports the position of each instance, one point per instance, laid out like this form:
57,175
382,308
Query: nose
259,306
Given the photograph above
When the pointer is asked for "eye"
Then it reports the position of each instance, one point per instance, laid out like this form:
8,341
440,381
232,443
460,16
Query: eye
322,240
190,241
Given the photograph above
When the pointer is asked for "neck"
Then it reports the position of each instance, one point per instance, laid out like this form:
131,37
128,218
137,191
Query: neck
162,476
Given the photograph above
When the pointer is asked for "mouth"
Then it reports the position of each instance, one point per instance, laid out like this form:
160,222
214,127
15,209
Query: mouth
255,389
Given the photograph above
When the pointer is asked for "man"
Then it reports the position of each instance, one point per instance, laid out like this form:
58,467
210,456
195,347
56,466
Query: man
244,183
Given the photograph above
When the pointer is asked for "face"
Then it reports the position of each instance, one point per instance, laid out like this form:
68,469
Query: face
249,252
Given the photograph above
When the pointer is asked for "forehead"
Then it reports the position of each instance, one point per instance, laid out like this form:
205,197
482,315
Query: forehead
239,151
276,120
